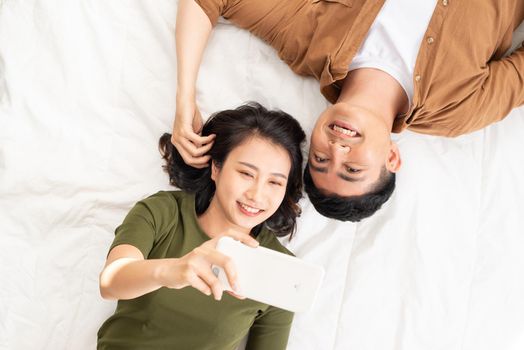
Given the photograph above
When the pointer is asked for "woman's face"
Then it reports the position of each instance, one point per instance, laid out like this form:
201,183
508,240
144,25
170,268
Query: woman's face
251,183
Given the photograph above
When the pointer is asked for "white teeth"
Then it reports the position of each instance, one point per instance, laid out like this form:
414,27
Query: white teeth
249,209
344,131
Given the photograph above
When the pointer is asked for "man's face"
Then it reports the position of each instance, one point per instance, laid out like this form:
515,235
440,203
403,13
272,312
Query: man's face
349,147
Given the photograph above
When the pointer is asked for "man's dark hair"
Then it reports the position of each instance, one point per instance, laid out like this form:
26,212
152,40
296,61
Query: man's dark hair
353,208
233,127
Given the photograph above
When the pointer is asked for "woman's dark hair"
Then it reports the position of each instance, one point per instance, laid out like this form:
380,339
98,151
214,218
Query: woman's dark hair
233,127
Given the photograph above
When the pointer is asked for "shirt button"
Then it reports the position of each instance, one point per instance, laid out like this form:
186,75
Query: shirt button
430,40
417,77
445,2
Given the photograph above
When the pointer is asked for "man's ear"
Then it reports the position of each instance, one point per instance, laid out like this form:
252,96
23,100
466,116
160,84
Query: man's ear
394,161
214,170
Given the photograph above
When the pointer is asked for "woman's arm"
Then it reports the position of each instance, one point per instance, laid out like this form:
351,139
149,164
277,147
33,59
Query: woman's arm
193,28
128,275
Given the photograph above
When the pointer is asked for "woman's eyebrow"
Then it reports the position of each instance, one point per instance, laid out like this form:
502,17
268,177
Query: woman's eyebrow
249,165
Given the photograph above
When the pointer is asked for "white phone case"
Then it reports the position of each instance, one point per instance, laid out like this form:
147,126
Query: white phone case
271,277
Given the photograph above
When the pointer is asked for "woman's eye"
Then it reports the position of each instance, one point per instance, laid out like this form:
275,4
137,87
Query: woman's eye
275,183
245,173
319,159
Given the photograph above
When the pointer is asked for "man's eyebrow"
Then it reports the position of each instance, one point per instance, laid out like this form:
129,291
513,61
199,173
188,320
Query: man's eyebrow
249,165
341,175
317,169
350,178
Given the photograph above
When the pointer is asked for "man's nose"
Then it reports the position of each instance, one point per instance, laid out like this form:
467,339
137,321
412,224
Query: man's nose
339,147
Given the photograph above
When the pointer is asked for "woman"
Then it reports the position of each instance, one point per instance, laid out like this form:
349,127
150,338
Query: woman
167,242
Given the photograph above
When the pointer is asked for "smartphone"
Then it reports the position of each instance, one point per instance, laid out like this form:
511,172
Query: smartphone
271,277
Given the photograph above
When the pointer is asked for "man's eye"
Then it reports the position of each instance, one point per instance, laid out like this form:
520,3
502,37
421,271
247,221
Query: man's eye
352,170
245,173
319,159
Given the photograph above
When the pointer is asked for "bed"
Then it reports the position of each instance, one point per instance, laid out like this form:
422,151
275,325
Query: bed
86,89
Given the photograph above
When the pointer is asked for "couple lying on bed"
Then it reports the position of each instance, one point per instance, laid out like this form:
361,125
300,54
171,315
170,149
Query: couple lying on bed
429,72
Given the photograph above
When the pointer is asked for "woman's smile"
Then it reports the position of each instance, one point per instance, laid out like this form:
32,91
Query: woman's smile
248,210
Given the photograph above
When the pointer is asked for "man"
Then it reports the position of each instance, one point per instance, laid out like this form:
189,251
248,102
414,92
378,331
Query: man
434,67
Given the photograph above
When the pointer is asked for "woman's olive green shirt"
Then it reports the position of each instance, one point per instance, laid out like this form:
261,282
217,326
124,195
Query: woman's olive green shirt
165,226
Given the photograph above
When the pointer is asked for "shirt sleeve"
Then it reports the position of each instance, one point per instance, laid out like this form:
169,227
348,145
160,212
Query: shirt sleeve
144,224
502,89
215,8
270,330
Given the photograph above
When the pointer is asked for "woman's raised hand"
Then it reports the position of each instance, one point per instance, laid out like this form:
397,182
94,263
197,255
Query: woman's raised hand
186,135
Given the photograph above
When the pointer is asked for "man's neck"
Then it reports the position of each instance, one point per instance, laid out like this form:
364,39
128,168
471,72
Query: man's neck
375,91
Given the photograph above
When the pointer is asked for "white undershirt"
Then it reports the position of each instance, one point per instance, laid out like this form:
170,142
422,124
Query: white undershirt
393,42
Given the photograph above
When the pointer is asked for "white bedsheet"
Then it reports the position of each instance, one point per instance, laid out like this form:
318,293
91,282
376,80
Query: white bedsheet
86,89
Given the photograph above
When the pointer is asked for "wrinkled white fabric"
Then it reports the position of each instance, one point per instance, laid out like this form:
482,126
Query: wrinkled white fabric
86,89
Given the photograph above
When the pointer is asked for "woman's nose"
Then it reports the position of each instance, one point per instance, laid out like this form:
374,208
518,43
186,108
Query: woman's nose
253,193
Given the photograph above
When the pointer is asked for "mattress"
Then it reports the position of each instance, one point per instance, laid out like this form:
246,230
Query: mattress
86,89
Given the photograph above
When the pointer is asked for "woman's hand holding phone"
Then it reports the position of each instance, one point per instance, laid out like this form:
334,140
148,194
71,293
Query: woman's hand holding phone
195,268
